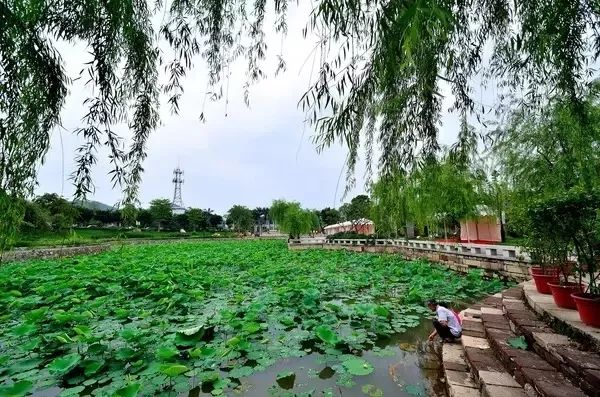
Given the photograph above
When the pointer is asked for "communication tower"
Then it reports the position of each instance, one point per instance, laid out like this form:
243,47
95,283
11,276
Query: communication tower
177,204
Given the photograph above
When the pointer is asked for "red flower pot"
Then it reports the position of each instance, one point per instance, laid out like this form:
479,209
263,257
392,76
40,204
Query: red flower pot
542,276
588,306
562,294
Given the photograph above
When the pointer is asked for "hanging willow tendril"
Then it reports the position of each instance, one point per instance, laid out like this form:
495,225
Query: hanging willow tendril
382,66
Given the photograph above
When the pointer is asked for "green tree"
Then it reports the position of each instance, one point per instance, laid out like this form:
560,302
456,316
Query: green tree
390,93
36,218
444,192
215,220
161,212
358,208
293,219
129,214
389,209
197,219
144,217
329,216
240,218
62,213
547,156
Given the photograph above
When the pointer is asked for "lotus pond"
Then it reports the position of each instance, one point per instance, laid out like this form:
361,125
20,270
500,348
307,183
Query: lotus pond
211,318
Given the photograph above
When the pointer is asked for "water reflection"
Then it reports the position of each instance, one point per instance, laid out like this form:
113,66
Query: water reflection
413,370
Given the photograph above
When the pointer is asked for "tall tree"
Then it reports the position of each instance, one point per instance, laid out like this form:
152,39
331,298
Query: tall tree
240,218
329,216
390,210
358,208
161,212
293,219
197,219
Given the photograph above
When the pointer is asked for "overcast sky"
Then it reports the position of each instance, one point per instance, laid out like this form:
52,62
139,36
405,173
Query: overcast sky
241,155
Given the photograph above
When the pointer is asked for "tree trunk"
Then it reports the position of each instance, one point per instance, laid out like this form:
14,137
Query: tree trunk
445,231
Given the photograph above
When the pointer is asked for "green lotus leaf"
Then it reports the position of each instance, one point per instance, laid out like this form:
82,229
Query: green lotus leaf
326,334
172,370
167,352
36,315
357,366
128,391
73,391
251,327
32,344
125,353
18,389
24,329
65,364
90,367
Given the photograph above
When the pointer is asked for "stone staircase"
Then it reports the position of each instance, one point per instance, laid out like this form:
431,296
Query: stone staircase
485,364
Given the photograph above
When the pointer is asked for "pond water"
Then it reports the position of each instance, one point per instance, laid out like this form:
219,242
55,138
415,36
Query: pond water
414,369
242,319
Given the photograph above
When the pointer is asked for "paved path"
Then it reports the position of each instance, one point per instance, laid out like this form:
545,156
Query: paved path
487,363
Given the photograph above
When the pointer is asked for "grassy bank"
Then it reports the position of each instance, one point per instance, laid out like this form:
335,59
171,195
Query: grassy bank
96,236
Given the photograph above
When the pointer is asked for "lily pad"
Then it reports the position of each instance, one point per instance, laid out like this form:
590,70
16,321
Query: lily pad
18,389
64,364
326,334
357,366
172,370
128,391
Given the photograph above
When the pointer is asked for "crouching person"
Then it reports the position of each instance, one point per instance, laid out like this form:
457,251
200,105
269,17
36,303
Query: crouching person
447,324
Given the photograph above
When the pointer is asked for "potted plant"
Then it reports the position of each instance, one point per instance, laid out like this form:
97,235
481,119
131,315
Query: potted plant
550,236
580,211
546,250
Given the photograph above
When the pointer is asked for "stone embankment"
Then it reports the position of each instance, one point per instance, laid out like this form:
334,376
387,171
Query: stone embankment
495,260
488,362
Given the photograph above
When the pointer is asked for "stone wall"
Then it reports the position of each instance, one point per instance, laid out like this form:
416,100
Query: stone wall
18,255
513,269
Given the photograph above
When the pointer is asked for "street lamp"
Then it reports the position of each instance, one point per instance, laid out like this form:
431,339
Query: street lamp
260,219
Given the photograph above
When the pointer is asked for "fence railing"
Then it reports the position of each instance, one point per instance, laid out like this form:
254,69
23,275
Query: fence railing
506,252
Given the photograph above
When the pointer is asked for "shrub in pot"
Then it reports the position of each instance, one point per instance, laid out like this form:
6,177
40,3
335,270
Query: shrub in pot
576,213
548,247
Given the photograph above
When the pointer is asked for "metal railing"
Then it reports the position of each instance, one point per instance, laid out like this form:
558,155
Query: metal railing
468,249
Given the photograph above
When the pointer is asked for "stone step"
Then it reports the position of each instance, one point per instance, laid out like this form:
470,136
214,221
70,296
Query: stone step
459,380
529,369
555,351
488,373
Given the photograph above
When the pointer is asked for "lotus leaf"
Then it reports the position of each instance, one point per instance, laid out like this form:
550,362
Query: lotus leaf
172,370
326,334
18,389
90,367
128,391
64,364
24,329
357,366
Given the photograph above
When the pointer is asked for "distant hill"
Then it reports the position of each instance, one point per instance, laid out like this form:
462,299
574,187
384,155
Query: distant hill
93,205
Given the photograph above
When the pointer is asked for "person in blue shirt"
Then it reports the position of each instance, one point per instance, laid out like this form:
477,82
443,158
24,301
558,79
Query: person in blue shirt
446,323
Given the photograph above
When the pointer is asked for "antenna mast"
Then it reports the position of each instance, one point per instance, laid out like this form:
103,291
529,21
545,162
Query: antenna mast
177,203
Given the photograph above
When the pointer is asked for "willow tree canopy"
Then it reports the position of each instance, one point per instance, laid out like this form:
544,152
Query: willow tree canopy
381,66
